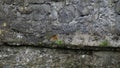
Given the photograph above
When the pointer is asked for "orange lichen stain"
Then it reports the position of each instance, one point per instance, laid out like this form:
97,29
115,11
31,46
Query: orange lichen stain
54,38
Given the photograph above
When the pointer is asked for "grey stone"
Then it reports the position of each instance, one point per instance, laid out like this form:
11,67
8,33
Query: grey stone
37,1
61,27
27,57
66,14
117,27
117,8
37,21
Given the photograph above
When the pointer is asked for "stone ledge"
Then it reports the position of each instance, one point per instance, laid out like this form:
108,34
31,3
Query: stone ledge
35,57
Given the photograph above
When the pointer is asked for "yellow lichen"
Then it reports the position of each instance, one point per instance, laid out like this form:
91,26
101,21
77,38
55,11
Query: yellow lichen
4,24
21,8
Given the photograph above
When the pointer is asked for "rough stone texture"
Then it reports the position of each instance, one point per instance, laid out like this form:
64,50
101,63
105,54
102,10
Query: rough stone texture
84,22
67,23
32,57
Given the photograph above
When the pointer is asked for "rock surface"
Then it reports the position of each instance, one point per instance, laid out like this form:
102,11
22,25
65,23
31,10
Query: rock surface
77,22
69,24
33,57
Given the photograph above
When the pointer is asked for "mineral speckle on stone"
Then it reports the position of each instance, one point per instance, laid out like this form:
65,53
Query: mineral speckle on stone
75,21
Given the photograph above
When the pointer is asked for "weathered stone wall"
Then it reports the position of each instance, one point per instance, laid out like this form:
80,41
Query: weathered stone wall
62,22
85,22
32,57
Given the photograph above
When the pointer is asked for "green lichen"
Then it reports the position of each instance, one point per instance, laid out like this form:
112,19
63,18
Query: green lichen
59,42
0,32
104,43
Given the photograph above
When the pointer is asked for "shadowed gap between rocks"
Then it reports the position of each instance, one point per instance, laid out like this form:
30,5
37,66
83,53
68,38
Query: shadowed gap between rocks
69,47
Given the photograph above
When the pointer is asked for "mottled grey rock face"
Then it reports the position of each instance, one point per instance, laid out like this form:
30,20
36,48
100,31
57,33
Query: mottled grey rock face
117,9
31,57
66,24
85,22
